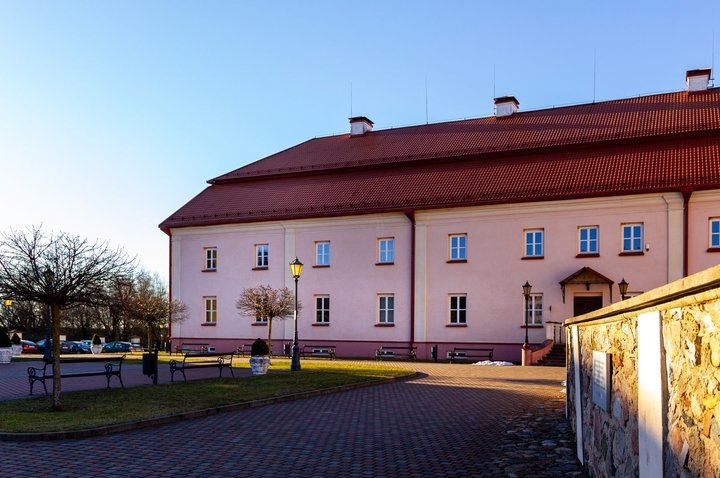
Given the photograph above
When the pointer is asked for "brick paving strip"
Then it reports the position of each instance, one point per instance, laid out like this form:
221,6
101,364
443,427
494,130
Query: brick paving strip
448,421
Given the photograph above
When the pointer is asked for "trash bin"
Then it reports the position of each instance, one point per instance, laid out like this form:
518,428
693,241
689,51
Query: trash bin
149,364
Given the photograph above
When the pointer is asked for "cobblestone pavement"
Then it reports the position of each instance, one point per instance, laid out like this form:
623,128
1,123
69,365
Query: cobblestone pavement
451,421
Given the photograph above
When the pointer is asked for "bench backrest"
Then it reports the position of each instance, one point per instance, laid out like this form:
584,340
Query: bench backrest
104,360
208,356
193,347
101,359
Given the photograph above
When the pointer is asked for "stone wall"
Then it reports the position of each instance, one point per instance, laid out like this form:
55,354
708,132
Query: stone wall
692,347
622,440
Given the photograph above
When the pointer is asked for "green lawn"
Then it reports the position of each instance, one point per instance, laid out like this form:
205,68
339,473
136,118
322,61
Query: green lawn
89,409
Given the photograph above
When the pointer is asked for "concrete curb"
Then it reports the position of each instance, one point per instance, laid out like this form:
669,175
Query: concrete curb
136,425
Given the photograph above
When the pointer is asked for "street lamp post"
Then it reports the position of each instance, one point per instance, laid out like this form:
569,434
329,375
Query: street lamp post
295,270
47,352
623,285
527,288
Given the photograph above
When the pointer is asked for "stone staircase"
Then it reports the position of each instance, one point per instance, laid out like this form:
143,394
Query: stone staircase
556,357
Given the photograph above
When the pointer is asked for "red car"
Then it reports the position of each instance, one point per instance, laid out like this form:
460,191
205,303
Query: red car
29,347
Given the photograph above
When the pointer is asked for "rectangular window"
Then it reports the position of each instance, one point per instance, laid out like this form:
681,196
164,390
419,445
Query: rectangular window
632,237
262,255
322,253
386,307
588,240
386,250
261,320
715,233
322,309
458,309
211,258
534,242
534,309
458,247
210,309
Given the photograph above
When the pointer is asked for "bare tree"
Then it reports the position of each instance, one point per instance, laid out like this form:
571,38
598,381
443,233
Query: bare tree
149,304
61,271
266,303
26,317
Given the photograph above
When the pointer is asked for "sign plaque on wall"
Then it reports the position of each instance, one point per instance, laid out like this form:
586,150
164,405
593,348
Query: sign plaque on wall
601,377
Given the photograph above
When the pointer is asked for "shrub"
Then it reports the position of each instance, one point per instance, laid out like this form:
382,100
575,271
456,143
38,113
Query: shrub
15,340
259,347
4,338
96,340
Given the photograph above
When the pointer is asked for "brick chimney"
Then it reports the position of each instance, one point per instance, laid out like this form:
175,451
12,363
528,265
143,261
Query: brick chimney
359,125
698,80
506,106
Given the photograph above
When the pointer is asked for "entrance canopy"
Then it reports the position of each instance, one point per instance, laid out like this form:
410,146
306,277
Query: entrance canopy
586,276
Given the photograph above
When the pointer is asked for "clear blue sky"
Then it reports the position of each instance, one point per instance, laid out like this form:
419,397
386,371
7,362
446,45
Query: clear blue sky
114,114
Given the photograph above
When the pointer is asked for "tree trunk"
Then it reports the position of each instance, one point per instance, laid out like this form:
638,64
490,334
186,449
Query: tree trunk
55,326
270,335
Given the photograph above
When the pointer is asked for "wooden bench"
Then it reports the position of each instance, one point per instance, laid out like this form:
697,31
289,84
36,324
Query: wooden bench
464,353
107,366
319,351
246,349
193,360
186,347
392,351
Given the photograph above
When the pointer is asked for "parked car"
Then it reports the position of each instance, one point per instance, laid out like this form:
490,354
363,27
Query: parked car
83,346
29,347
111,347
66,347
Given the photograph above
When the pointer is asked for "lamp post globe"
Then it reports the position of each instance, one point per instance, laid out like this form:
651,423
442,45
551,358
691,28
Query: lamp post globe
295,270
623,286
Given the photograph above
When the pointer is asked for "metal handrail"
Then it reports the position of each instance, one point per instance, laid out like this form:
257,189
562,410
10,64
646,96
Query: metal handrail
558,331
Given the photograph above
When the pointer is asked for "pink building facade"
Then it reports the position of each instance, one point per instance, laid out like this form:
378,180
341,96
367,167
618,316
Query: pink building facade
424,236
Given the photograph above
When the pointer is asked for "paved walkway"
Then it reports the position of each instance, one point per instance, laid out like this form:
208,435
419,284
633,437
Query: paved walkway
14,377
452,421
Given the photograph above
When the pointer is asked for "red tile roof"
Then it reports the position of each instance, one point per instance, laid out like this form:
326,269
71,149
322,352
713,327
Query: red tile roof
654,143
627,119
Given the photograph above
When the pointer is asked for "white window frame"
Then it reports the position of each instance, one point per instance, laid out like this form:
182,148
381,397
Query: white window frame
322,253
262,256
386,308
533,246
210,304
635,240
457,313
386,250
457,246
592,246
535,309
322,309
210,258
714,229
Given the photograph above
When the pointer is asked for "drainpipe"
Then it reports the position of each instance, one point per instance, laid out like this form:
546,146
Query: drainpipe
411,215
686,193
